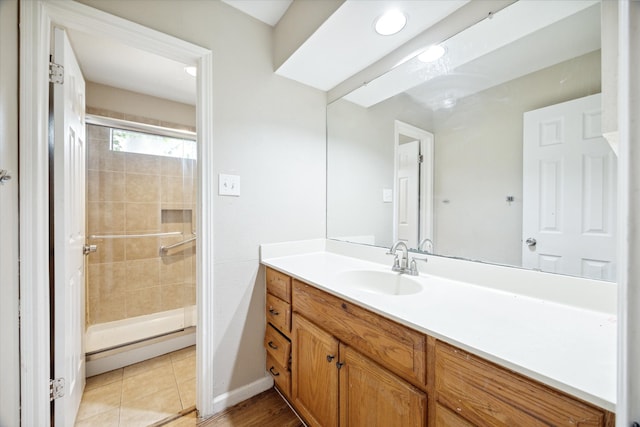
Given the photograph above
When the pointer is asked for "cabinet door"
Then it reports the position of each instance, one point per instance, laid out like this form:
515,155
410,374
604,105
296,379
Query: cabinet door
372,396
314,373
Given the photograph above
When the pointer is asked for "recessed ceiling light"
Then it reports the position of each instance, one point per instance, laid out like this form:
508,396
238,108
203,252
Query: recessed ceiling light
192,71
433,53
390,22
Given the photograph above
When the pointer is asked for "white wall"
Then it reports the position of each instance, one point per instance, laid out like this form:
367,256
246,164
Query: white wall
271,132
136,105
9,333
478,157
360,165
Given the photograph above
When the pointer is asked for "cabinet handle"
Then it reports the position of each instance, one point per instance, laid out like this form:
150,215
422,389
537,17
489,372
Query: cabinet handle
275,347
330,358
339,365
272,311
275,374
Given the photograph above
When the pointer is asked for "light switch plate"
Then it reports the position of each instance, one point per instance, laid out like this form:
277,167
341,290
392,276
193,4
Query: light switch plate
228,185
387,195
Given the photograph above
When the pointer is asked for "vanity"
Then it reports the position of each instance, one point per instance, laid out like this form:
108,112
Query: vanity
349,342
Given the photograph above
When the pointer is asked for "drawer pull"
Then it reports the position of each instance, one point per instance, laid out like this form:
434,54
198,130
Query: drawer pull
273,311
330,358
275,374
275,347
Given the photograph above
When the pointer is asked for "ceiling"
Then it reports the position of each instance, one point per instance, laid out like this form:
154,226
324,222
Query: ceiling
341,46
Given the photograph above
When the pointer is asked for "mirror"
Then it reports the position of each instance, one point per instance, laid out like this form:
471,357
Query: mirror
516,171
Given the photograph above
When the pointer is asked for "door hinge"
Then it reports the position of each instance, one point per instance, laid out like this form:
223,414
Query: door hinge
420,158
56,73
56,388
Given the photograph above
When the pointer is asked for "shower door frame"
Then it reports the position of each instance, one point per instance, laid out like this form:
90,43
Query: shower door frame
36,20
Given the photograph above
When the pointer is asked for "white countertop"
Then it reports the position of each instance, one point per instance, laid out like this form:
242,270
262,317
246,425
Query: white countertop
568,347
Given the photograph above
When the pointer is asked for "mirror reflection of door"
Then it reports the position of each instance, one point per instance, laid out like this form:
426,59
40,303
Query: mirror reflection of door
569,191
407,183
413,182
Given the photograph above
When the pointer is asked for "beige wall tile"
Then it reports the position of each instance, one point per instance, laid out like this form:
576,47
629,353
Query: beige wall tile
190,295
142,188
142,163
171,166
105,218
100,156
172,269
143,301
172,296
109,250
142,247
97,132
142,217
105,186
143,273
177,190
106,279
108,308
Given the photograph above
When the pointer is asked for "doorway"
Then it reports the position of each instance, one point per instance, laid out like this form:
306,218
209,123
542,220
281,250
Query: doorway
37,17
413,186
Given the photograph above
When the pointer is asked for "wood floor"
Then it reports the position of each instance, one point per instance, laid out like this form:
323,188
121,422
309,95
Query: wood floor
267,409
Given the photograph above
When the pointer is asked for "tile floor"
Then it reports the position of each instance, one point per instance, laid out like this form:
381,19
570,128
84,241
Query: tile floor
140,394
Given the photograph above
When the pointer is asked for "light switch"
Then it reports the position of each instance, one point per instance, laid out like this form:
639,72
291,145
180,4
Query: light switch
228,185
387,195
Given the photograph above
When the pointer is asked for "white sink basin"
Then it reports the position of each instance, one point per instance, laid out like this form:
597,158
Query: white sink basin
379,282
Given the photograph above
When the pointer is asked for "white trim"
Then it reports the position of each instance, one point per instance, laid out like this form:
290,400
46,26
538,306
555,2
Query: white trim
426,139
227,400
36,17
627,409
205,337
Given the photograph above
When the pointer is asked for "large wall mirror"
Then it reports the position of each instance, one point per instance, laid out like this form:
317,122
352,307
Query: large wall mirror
490,149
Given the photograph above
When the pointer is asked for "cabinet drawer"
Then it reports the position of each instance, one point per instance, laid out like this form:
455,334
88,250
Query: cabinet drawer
278,347
279,314
397,348
279,284
281,376
486,394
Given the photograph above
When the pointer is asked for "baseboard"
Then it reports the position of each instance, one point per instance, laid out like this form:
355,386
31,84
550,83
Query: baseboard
227,400
114,359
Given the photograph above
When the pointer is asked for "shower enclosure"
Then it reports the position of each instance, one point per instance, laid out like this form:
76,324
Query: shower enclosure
141,219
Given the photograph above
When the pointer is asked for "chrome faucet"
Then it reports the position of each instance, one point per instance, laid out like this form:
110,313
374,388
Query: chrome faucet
401,264
429,248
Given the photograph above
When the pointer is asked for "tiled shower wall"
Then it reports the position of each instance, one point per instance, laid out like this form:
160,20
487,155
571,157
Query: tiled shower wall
130,194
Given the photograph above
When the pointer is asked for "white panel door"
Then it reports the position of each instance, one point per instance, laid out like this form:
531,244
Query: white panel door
408,193
569,191
69,230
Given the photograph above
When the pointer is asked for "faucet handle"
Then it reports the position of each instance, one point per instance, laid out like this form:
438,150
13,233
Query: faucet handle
396,263
413,267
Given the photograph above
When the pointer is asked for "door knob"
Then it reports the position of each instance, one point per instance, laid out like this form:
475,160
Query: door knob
87,249
4,176
531,242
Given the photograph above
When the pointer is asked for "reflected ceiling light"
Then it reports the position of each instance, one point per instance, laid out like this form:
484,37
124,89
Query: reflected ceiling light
433,53
192,71
390,22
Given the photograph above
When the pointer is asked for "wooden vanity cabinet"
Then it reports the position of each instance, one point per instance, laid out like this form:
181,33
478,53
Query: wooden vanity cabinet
277,340
314,392
482,393
334,385
352,367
